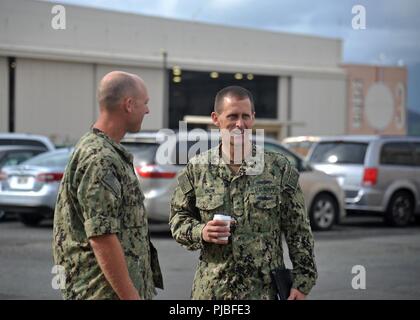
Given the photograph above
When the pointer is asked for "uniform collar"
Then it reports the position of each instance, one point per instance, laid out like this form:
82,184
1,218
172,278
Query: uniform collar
117,146
250,166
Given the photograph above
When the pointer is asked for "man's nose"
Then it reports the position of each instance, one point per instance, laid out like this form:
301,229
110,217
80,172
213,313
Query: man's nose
239,123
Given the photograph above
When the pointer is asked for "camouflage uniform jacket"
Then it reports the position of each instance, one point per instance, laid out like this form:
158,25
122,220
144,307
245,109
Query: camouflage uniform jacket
264,205
100,194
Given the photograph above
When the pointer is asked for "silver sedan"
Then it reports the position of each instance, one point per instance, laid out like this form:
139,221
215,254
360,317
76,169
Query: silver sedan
30,189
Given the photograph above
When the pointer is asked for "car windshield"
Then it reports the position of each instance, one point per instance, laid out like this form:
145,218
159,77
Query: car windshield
339,152
49,159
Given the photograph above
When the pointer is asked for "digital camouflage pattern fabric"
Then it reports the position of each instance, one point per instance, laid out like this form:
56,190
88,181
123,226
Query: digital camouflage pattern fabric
100,194
264,205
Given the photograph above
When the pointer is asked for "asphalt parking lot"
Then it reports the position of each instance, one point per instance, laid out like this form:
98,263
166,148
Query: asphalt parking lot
391,258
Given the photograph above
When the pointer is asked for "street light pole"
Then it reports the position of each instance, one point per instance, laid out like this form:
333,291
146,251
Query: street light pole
165,98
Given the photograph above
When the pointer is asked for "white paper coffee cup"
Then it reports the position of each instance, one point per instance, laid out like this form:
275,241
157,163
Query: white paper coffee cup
222,217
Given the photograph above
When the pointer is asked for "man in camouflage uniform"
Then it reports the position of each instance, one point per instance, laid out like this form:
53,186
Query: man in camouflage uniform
101,238
264,204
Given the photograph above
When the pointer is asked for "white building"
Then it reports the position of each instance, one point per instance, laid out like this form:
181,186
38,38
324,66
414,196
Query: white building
48,77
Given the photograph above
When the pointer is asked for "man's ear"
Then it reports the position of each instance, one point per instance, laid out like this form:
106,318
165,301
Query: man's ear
128,105
215,119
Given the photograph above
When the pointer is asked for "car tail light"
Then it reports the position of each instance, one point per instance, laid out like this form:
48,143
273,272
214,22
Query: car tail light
49,177
370,176
3,176
151,171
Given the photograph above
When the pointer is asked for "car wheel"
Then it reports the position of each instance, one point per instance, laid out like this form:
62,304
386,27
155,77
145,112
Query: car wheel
400,209
30,220
2,215
323,212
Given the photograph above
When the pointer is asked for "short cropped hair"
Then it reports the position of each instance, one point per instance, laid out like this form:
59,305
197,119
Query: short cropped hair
111,93
237,92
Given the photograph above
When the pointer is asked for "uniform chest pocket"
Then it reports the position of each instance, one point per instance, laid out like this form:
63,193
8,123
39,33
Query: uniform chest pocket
264,202
209,204
264,211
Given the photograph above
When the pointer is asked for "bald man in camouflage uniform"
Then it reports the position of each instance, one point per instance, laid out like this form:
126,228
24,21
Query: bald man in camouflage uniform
101,238
264,204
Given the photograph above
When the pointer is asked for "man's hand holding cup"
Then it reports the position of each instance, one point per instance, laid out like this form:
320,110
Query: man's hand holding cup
217,230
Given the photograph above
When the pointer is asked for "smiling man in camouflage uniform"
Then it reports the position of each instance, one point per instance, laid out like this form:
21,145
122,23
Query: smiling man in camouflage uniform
264,204
101,237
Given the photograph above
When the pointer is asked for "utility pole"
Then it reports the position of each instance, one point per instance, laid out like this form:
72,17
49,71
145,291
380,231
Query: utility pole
165,98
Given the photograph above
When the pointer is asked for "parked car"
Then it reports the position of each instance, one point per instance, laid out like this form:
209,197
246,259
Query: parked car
300,144
12,155
30,189
323,196
25,139
379,174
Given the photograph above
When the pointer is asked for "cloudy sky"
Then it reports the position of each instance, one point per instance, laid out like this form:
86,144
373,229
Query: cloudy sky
391,37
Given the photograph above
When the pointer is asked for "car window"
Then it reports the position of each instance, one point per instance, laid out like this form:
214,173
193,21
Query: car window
143,152
49,159
397,153
339,152
276,148
17,157
22,142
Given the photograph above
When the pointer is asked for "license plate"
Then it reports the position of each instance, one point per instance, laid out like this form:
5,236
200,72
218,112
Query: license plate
22,180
